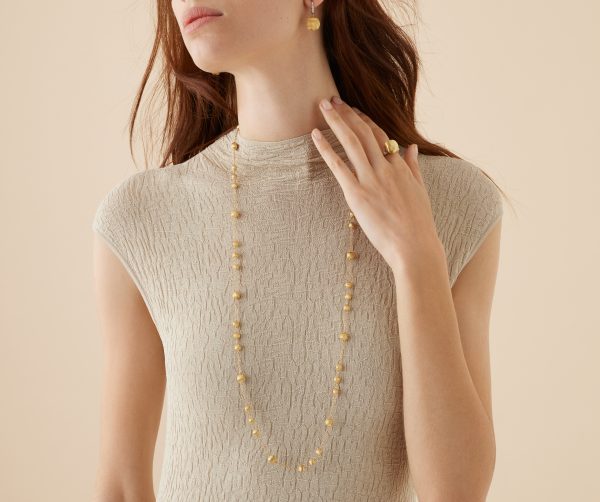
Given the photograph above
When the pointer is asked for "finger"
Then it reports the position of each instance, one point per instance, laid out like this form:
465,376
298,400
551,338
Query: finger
411,157
350,140
372,145
344,175
380,135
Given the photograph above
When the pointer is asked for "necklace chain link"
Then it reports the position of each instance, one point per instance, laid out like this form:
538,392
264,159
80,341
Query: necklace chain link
351,255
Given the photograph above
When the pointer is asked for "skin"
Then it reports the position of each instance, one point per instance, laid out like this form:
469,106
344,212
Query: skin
444,332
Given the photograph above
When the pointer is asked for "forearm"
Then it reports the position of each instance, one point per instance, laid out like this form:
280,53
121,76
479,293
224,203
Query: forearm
449,436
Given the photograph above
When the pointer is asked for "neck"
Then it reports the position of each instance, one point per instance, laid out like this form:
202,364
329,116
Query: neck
278,98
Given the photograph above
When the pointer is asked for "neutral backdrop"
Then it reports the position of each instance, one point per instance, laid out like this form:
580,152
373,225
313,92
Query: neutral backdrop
512,86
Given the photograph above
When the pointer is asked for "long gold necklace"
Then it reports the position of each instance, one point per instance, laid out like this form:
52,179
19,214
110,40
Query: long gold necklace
242,378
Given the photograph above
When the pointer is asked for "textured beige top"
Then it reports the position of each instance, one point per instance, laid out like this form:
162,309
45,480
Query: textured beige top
171,227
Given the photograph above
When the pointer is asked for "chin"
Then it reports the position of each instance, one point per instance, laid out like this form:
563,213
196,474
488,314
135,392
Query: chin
205,58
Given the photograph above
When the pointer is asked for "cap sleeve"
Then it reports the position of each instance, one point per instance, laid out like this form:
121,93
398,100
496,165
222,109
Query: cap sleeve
119,221
477,207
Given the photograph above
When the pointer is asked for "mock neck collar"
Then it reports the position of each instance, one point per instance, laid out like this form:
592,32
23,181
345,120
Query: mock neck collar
298,155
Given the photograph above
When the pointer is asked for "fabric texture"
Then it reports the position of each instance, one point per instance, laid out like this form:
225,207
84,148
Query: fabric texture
171,228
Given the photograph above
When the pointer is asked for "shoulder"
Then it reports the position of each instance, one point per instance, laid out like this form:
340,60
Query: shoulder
120,200
125,206
465,202
139,192
459,187
457,181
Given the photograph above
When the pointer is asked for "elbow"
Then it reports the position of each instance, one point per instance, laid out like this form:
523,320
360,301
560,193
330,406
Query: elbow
473,487
107,492
121,496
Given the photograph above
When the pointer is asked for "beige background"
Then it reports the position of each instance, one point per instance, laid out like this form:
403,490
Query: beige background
511,86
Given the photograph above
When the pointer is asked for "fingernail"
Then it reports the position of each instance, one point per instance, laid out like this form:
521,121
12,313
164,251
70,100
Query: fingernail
316,134
337,100
325,104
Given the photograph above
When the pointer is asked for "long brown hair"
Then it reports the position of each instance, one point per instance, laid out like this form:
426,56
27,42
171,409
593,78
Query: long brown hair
374,63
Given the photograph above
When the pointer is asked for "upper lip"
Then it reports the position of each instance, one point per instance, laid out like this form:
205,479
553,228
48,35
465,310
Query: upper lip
194,13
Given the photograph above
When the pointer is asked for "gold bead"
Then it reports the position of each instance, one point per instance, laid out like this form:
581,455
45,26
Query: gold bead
349,285
237,347
319,451
300,467
344,336
235,145
313,23
336,391
235,254
337,379
250,420
352,225
236,335
234,185
339,366
255,433
236,295
351,214
247,407
241,377
272,459
347,307
236,323
236,266
233,177
312,461
329,422
348,296
236,243
351,255
235,214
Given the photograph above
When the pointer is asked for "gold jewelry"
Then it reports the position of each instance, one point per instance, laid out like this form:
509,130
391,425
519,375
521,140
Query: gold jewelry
312,22
390,146
271,455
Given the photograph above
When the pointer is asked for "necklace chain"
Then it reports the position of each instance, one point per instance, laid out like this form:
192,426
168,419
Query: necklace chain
271,454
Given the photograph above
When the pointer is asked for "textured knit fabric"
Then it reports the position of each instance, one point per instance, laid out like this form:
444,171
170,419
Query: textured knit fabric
172,229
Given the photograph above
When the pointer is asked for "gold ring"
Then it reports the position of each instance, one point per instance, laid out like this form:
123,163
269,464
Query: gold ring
390,146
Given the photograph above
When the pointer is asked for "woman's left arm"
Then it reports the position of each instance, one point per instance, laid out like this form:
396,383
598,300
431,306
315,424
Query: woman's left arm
443,331
446,374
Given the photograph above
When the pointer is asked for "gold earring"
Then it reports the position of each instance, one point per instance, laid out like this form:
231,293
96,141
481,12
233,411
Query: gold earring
312,22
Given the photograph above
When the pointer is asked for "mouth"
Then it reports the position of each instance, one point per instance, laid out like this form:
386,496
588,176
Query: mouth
195,13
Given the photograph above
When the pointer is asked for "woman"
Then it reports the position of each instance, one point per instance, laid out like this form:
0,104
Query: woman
315,305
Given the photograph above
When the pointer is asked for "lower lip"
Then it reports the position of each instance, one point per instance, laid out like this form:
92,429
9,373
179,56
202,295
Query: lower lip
201,21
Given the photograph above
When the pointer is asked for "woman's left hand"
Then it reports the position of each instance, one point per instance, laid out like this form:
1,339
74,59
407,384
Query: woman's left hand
387,195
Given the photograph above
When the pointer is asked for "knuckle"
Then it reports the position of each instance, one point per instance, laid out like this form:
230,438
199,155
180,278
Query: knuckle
353,140
364,127
338,163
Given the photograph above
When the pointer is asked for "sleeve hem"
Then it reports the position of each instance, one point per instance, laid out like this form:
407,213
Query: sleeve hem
129,270
487,230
